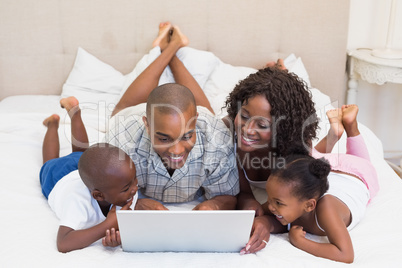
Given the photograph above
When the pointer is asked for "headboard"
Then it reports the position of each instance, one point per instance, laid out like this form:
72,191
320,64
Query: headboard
39,39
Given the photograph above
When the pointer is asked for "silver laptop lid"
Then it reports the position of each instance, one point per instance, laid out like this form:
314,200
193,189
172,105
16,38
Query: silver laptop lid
195,231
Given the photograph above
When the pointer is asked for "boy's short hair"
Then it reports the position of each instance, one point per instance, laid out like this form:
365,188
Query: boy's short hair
98,161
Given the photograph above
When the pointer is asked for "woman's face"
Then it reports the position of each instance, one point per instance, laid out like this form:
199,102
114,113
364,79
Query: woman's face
253,124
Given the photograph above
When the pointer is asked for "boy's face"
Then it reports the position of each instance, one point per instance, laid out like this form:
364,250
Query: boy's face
172,135
123,184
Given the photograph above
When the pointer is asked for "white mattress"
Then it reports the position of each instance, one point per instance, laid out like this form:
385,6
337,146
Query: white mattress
29,227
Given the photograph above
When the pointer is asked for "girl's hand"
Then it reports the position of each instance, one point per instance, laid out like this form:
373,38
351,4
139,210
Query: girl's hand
296,235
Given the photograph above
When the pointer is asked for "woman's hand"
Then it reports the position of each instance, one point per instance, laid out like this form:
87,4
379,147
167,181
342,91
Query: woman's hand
260,234
252,204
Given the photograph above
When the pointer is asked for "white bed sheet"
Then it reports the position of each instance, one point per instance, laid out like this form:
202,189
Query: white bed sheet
29,227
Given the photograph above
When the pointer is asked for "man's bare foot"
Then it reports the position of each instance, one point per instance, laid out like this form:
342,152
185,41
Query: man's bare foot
178,37
336,127
54,120
162,39
349,121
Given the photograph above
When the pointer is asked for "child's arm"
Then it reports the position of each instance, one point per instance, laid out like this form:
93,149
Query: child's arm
340,246
69,239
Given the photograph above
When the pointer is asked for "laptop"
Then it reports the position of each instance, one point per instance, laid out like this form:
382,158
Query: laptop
189,231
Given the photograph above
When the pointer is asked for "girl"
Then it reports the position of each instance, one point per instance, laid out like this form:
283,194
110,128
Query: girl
326,196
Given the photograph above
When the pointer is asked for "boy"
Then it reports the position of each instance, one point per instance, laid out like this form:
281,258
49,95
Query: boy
84,187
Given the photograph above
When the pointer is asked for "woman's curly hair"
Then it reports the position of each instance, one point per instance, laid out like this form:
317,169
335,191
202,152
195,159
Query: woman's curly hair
292,109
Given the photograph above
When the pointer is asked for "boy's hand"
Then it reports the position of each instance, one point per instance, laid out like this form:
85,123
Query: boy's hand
111,215
112,238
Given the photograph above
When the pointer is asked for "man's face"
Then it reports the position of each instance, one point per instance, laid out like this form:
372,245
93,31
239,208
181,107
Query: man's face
173,135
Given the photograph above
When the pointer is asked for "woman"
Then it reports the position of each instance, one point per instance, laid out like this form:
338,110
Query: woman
269,112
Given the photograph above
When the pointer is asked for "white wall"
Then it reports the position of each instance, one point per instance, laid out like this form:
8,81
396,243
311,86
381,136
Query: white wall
380,106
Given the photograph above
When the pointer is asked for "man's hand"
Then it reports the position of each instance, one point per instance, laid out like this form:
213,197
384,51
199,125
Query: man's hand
149,204
206,205
220,202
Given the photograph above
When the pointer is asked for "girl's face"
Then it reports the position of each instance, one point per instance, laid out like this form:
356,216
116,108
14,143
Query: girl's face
253,124
286,207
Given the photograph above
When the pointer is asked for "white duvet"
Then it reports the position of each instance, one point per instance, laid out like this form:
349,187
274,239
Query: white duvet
29,227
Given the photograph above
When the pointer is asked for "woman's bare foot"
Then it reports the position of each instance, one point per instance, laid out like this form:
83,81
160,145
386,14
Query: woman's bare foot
52,120
162,39
278,64
349,121
178,37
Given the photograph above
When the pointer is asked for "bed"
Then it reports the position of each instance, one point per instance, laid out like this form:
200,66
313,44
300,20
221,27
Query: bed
93,49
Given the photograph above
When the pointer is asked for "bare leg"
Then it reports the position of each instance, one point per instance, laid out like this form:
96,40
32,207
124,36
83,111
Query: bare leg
355,144
335,132
349,114
139,90
182,75
79,137
51,144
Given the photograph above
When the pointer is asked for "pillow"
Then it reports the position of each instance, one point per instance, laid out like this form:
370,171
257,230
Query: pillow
225,77
93,81
97,87
296,66
199,63
221,82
